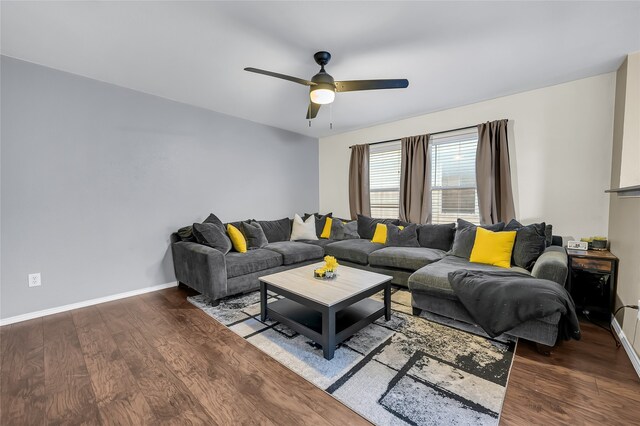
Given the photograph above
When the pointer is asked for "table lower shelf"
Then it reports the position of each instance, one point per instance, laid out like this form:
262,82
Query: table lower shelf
308,321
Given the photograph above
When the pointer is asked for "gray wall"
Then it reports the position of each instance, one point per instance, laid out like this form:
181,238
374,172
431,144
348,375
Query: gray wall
95,177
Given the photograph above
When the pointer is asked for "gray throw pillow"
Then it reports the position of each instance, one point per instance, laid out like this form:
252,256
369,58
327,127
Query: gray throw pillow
529,245
343,230
213,219
548,235
466,237
212,235
254,235
351,230
337,230
407,237
186,234
321,221
437,236
276,230
367,225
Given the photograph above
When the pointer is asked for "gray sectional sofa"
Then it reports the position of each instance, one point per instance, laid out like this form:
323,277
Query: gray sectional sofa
422,269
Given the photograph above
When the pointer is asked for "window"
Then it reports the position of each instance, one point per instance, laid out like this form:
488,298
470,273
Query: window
384,179
453,177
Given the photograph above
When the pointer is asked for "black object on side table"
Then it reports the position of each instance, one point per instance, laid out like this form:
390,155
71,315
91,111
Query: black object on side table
593,276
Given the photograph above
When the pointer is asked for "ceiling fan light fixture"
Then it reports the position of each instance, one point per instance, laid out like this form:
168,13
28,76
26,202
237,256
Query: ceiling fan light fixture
322,95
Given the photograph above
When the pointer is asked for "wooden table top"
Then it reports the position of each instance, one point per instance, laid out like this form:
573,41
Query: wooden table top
594,254
348,283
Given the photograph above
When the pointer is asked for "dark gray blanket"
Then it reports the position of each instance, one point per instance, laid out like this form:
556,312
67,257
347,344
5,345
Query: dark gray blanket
499,301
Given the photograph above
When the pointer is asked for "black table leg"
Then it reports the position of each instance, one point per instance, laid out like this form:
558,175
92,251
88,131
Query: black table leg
328,333
263,301
387,302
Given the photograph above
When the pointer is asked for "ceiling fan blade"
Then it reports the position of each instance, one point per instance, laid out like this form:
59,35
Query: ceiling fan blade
282,76
353,85
312,111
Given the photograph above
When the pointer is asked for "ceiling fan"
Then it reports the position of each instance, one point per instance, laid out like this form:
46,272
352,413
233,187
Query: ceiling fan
323,88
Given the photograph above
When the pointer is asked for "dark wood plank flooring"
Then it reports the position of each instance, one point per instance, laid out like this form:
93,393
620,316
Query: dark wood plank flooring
155,359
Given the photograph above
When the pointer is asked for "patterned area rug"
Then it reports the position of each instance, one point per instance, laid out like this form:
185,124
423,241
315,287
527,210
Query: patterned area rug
409,370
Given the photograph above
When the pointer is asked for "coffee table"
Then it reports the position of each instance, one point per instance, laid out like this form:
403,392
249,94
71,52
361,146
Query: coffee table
326,311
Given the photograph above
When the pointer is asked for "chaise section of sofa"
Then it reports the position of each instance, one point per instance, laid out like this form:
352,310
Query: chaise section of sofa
431,291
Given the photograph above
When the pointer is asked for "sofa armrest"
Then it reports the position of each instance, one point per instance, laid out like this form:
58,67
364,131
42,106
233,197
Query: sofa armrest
552,265
200,267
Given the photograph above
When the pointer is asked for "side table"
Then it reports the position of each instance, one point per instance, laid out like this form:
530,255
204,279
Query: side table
593,276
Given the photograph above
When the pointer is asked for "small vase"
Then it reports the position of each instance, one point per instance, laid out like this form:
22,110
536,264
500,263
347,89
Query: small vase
329,274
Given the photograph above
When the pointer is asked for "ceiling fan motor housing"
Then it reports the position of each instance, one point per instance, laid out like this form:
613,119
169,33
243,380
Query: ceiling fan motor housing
322,58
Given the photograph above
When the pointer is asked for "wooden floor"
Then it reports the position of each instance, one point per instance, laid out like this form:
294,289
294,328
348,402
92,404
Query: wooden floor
155,358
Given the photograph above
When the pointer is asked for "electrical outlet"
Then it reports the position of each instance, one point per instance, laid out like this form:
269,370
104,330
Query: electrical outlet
35,280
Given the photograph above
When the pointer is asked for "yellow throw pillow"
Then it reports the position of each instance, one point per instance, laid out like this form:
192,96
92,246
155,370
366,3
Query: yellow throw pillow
237,239
326,231
493,248
380,236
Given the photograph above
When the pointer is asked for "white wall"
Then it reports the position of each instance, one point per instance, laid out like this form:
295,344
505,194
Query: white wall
560,145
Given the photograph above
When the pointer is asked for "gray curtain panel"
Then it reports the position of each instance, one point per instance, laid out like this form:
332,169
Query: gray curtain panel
415,180
359,200
493,173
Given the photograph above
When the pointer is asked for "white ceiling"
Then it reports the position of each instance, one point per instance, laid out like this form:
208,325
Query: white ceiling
453,53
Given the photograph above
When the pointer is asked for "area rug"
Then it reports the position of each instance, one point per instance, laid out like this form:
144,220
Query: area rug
409,370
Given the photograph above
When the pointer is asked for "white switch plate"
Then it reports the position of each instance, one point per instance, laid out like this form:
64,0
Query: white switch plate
35,280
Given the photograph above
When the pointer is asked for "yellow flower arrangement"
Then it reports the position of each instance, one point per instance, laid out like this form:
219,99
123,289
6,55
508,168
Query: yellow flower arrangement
331,264
320,272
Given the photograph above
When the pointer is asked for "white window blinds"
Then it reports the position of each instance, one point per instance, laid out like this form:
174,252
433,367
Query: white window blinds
384,179
453,177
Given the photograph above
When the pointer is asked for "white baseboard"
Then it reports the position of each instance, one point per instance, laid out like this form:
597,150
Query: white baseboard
83,304
633,356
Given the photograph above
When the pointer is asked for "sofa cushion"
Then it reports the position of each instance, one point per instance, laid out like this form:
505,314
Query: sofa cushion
276,230
530,243
186,234
410,258
295,251
251,261
213,219
407,237
493,248
212,235
433,279
356,251
342,230
367,225
437,236
237,238
303,230
254,235
466,236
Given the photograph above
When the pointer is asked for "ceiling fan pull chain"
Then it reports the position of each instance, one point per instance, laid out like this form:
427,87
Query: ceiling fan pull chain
331,116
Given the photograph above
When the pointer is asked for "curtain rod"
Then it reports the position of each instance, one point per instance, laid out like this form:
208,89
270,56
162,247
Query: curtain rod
430,134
